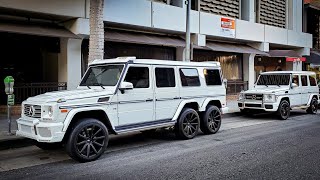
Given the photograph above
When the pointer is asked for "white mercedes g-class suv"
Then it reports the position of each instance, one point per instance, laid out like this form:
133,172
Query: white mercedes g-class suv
280,92
125,95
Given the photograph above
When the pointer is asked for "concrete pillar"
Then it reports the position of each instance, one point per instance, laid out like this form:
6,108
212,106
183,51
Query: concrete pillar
180,53
248,69
69,62
248,10
294,66
294,19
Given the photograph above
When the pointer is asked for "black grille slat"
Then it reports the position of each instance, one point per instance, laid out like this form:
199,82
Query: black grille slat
35,114
258,97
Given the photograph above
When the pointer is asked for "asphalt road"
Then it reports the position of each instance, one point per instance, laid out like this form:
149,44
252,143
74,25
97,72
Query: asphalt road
258,147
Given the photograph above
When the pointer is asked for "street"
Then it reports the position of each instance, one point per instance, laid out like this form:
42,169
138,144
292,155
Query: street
258,147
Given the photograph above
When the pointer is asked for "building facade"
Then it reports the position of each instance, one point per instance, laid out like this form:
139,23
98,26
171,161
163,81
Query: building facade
312,25
47,41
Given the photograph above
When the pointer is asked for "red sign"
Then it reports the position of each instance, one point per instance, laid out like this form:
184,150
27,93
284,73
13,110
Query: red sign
294,59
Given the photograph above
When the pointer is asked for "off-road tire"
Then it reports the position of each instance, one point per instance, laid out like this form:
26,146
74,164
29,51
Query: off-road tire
188,123
283,110
88,140
313,106
210,122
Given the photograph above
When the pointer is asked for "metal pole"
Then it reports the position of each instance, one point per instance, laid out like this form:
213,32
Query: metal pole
187,50
9,119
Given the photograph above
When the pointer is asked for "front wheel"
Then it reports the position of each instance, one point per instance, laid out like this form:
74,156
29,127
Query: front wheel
313,106
88,140
283,110
211,121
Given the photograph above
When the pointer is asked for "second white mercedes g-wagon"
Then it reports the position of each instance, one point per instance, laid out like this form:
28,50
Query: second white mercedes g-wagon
125,95
280,92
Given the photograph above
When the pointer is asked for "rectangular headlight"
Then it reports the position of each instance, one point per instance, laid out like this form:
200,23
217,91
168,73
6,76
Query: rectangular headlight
269,98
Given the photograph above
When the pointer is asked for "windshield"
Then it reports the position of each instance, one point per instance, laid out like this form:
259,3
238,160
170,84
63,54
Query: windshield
274,79
106,75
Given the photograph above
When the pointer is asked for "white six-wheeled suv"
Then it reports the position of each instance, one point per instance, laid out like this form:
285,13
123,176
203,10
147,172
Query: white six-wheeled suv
125,95
280,92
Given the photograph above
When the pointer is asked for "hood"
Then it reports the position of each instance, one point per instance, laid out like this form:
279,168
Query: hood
270,89
69,95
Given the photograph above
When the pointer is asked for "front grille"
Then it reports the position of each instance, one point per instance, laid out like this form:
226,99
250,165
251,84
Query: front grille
253,105
33,111
254,97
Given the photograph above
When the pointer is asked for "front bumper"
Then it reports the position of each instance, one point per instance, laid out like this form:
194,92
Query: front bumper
269,107
40,131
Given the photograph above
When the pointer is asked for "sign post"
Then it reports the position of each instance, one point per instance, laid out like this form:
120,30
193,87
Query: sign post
9,82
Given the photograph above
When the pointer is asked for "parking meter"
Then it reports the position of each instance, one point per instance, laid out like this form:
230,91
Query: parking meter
8,83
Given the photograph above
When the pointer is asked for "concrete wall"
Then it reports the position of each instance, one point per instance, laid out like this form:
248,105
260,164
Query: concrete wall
72,8
148,14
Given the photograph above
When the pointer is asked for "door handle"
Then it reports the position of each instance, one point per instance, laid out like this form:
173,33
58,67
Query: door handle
176,98
149,100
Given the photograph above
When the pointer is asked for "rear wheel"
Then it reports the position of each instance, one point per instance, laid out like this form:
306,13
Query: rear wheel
313,106
187,126
283,110
88,140
211,121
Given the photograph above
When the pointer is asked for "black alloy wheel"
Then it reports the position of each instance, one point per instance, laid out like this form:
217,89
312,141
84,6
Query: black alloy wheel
284,110
313,108
88,140
211,120
187,126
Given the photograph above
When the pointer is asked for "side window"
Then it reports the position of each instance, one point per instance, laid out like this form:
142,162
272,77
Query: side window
312,79
138,76
295,79
304,80
165,77
212,76
189,77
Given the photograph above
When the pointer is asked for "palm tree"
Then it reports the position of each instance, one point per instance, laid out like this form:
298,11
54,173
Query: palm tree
96,40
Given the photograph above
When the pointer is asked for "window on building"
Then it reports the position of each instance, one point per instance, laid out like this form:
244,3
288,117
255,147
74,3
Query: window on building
225,8
138,76
165,77
212,76
304,80
312,80
189,77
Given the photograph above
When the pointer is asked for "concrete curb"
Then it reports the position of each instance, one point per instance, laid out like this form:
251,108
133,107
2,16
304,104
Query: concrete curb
19,142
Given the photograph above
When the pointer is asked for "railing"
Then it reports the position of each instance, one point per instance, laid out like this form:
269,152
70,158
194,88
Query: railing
236,86
24,90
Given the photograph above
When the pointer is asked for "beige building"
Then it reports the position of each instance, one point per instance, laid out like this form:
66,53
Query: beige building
44,44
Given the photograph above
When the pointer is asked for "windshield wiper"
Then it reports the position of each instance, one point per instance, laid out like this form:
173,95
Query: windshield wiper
89,87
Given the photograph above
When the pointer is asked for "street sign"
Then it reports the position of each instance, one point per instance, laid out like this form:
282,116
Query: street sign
10,101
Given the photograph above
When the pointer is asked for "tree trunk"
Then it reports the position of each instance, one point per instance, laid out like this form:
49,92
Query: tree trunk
96,41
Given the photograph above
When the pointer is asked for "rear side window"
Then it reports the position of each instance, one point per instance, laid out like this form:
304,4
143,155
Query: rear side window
165,77
189,77
212,76
312,80
304,80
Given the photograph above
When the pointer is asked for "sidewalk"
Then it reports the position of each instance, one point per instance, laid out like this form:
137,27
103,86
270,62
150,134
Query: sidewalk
10,141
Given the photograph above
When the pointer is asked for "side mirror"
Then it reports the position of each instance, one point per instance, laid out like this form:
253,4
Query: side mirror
294,85
225,82
125,86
